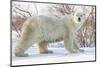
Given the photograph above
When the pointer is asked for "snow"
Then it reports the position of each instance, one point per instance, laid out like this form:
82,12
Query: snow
59,55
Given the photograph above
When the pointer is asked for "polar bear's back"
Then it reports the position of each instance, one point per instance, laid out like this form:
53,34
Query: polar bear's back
48,28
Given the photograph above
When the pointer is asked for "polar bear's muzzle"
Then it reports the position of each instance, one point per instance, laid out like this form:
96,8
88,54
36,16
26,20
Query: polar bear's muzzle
79,19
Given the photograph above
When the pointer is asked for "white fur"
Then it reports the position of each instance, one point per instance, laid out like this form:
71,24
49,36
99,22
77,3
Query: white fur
43,29
47,30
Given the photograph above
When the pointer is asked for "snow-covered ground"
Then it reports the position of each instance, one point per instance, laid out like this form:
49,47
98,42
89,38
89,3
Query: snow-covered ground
59,55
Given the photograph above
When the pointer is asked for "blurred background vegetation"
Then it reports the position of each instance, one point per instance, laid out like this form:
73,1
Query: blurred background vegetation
85,36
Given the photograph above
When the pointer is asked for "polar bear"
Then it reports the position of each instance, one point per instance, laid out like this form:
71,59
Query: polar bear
46,29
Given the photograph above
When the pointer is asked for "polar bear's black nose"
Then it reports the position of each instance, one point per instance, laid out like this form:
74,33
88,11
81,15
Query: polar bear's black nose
79,19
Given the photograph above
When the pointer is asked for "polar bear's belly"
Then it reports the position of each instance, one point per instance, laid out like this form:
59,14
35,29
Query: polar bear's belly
49,33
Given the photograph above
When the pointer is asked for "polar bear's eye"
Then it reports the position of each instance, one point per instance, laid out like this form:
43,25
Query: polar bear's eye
81,15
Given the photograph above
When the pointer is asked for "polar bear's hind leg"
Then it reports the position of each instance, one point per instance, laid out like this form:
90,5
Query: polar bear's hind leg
25,41
42,46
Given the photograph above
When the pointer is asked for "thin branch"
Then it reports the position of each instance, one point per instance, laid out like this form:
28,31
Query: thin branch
16,29
24,11
19,13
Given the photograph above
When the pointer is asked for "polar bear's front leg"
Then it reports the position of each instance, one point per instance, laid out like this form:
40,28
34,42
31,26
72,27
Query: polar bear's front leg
77,47
68,42
42,46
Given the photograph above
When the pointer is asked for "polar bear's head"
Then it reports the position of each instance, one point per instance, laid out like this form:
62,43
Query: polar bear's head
80,17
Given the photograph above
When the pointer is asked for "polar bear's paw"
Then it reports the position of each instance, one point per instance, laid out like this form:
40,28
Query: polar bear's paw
46,52
21,55
73,51
81,50
76,51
